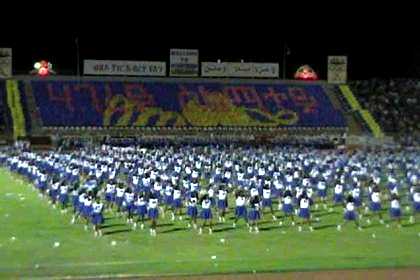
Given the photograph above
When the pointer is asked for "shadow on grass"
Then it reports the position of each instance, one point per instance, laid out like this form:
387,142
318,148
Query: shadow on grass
172,230
408,225
117,231
269,228
325,226
112,225
264,222
165,225
224,229
323,214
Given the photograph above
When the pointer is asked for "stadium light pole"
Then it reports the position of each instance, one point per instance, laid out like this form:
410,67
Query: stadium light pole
286,52
77,57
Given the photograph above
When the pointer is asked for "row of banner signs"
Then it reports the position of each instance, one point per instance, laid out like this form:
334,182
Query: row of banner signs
185,63
124,68
233,69
5,63
337,69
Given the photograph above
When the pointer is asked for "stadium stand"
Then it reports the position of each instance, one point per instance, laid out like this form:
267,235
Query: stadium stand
154,106
393,103
174,103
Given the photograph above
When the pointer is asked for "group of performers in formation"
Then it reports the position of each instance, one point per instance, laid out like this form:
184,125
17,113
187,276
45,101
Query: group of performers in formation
200,182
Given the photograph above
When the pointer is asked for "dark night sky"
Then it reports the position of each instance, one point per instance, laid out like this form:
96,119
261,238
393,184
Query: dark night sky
375,48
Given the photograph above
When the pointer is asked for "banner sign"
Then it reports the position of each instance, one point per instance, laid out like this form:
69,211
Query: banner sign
184,63
124,68
337,69
249,69
5,63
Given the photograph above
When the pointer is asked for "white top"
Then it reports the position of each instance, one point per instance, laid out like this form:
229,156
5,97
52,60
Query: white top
394,190
350,206
416,197
198,165
129,197
304,203
205,204
188,170
177,194
168,190
120,192
228,164
55,186
110,188
193,186
87,202
112,174
192,201
146,182
321,185
299,191
211,193
254,192
240,201
310,192
97,207
277,185
222,194
355,192
375,197
256,206
153,203
266,193
287,200
185,184
140,202
64,189
157,186
338,189
395,204
43,177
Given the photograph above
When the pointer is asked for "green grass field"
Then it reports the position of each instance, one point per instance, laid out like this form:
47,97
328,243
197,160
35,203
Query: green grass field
36,226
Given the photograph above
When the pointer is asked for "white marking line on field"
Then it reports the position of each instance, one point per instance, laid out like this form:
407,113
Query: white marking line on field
112,276
107,276
124,263
44,266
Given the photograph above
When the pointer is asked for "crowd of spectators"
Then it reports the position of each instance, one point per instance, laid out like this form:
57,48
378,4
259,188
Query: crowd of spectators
394,103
